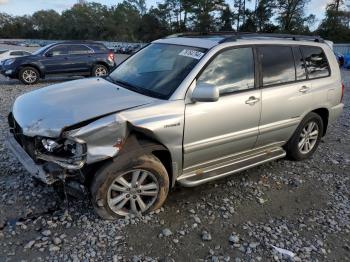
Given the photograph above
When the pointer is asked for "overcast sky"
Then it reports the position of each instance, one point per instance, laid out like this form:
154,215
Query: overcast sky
21,7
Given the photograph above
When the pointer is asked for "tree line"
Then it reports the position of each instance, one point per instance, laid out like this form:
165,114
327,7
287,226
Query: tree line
131,20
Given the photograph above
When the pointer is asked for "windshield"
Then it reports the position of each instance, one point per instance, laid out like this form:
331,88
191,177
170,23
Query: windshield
158,69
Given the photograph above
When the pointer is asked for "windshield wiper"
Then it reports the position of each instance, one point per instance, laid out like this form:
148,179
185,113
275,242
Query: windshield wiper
136,89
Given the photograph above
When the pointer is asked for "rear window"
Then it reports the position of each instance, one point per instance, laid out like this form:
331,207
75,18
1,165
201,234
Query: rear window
316,62
277,65
78,49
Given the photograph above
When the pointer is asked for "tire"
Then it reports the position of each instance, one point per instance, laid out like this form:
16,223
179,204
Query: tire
104,198
29,75
296,149
99,70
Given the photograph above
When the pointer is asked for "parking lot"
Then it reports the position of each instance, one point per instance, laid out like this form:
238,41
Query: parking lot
302,207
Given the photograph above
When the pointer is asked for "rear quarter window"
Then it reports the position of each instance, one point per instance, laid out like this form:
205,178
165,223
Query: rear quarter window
316,62
99,48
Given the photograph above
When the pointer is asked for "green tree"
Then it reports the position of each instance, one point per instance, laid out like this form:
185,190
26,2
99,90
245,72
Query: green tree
47,24
335,25
203,14
291,16
226,19
263,15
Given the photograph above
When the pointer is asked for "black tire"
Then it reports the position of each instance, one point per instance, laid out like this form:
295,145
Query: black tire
292,147
99,70
29,75
106,175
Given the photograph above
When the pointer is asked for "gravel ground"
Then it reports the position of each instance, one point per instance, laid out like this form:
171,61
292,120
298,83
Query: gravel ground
262,214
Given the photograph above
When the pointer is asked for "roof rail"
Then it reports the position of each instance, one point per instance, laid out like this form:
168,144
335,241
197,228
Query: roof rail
243,35
229,36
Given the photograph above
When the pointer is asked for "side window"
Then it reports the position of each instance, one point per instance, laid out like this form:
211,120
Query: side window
300,66
316,62
14,53
58,50
231,71
78,50
99,47
277,65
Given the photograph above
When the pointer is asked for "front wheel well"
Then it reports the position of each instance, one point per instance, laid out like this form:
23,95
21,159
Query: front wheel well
324,114
157,149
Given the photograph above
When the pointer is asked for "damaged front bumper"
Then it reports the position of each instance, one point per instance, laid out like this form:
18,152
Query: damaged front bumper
38,171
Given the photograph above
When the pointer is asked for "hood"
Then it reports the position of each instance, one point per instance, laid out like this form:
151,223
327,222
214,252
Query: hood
47,111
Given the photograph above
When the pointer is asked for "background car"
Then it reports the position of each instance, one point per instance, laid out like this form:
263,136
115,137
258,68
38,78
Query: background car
340,58
65,58
6,54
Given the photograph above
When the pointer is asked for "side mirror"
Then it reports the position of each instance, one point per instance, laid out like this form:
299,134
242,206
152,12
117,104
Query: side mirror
49,54
204,92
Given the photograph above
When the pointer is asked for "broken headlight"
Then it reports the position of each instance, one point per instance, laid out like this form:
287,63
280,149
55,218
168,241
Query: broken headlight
68,153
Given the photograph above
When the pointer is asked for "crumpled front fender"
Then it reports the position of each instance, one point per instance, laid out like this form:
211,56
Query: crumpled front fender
103,137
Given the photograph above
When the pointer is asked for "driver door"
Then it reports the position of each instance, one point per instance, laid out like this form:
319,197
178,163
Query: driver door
55,60
214,130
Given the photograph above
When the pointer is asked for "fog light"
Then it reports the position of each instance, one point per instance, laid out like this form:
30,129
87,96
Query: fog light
49,145
8,72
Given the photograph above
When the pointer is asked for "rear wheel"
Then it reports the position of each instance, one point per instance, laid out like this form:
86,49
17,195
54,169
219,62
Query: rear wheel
136,187
306,138
100,70
29,75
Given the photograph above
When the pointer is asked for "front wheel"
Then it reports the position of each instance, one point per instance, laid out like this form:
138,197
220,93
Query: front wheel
306,138
100,70
29,75
136,187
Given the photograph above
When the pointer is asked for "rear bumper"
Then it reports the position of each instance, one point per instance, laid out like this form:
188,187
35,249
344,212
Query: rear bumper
335,112
35,170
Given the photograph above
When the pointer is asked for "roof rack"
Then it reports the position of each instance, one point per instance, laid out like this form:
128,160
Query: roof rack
229,36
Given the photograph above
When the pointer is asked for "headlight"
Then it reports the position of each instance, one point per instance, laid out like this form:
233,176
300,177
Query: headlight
9,61
67,153
50,145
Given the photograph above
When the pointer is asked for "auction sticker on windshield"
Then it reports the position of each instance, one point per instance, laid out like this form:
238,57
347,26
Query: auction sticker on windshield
191,53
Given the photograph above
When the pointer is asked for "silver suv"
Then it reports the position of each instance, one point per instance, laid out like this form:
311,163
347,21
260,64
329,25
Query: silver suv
185,109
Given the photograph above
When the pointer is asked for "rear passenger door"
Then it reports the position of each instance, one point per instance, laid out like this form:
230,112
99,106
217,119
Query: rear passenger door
288,89
79,57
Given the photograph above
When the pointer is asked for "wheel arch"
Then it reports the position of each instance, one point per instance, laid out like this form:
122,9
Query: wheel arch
41,73
324,114
99,62
150,145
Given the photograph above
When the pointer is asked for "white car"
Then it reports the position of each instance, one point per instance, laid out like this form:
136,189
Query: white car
7,54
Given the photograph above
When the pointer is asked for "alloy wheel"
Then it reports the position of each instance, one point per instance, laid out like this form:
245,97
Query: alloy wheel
308,137
100,71
29,76
133,192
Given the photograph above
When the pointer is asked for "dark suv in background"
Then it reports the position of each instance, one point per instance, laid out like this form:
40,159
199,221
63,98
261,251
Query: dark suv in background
64,58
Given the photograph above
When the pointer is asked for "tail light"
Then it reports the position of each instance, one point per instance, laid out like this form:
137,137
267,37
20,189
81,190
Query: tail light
111,57
342,91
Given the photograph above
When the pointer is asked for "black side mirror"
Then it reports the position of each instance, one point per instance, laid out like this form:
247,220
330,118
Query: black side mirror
49,54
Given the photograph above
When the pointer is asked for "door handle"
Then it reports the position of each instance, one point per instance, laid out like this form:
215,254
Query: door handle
252,100
304,89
